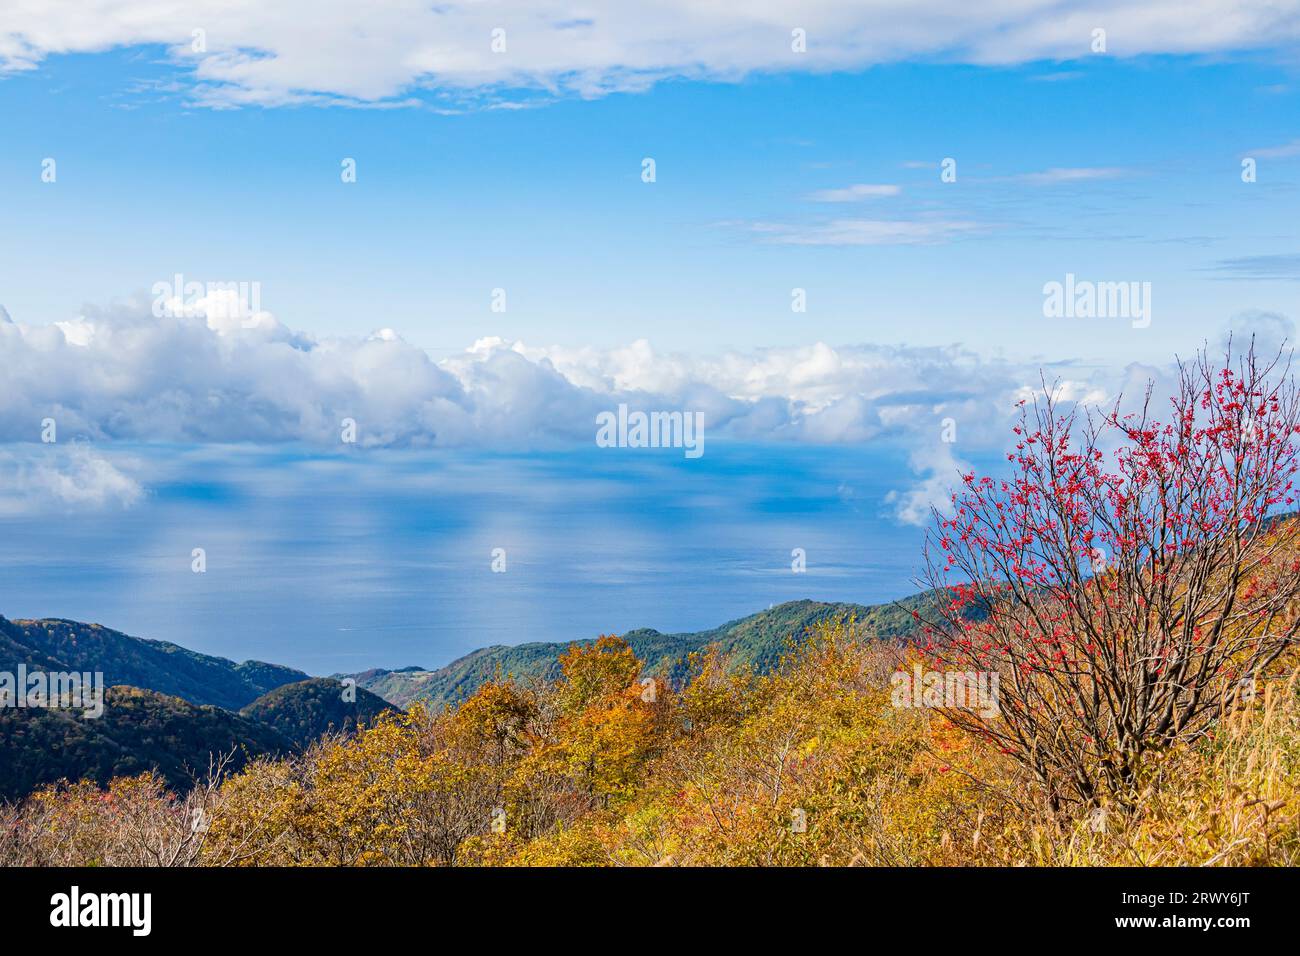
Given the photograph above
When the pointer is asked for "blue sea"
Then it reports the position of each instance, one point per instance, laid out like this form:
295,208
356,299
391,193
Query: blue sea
339,562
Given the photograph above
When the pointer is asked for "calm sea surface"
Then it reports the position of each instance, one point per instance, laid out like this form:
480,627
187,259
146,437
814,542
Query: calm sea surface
382,558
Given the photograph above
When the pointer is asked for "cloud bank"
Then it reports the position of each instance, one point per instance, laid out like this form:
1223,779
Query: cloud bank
289,52
123,374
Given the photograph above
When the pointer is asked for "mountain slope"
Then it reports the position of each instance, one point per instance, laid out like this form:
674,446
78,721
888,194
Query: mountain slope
140,730
309,709
757,640
61,645
197,705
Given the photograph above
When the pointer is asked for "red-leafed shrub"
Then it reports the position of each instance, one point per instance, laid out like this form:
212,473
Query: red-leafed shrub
1130,580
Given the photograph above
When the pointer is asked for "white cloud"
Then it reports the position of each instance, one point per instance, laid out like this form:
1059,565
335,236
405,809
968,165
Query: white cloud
63,478
1283,151
1269,332
866,232
1066,390
1072,174
940,471
122,374
856,193
290,51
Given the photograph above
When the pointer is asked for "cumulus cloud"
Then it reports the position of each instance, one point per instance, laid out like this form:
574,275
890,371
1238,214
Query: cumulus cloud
121,373
938,467
289,52
1270,332
63,478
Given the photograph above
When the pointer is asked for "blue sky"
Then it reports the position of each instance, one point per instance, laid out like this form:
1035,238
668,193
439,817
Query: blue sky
547,203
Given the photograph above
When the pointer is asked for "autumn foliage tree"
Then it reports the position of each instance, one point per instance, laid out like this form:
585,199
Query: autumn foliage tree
1129,580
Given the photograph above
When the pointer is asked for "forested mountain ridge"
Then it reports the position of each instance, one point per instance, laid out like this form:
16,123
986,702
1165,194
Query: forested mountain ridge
309,709
757,640
140,730
59,645
170,708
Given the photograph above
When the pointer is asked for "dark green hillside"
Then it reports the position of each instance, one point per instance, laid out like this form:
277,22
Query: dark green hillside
140,730
197,705
757,640
399,687
167,668
309,709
